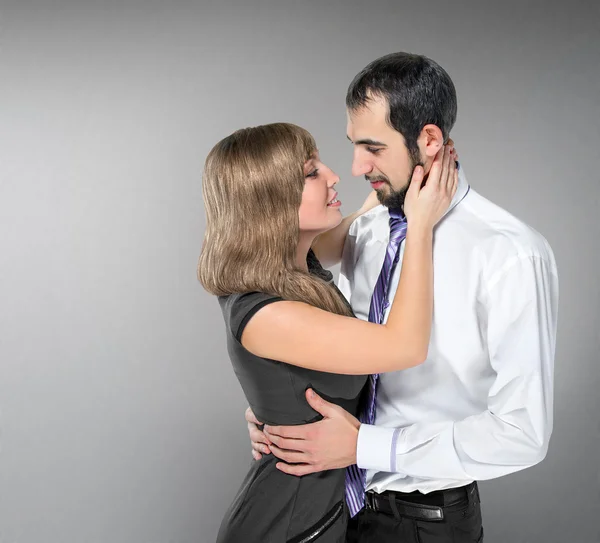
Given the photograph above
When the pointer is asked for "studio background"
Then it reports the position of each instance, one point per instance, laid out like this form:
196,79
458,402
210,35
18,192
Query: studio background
121,420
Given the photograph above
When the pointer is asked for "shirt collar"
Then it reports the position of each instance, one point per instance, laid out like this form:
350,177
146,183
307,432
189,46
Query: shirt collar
461,191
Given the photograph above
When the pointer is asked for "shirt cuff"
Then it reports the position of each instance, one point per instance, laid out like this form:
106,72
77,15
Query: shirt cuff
376,448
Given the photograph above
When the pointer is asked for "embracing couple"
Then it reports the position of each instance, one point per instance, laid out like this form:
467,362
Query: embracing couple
429,367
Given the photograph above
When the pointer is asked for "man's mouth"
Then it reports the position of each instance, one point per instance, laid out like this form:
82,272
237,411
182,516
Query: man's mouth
377,183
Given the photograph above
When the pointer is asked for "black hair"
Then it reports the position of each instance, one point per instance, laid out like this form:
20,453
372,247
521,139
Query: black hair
418,91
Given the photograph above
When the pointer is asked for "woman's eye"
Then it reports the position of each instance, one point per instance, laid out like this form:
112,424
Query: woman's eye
313,173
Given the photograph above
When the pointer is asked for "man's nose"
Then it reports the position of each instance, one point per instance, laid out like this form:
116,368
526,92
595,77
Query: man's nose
360,167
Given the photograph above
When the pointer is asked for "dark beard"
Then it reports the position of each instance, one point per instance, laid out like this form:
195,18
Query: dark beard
394,199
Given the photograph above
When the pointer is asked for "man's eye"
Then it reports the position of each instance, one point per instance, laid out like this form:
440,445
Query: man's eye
373,150
313,173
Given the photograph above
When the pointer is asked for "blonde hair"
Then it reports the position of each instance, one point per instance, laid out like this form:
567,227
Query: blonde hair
252,186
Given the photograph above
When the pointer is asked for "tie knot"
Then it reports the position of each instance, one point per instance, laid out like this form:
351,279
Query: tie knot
397,221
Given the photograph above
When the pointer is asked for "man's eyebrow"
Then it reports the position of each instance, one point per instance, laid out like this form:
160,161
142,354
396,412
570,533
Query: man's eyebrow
367,142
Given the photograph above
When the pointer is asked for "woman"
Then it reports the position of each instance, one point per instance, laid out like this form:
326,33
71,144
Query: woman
267,197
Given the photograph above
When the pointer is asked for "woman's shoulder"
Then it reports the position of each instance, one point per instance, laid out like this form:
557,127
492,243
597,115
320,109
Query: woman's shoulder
238,308
246,299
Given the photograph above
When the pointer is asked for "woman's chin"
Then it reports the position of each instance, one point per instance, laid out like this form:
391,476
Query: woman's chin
336,222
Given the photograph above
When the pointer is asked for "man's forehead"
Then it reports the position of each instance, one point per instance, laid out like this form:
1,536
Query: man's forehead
366,125
371,114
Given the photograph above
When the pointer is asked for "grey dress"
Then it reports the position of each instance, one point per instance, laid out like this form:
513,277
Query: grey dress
272,506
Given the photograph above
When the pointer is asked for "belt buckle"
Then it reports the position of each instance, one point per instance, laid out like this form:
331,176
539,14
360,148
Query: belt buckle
370,502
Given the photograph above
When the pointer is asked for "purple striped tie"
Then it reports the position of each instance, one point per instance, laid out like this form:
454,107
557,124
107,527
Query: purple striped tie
356,478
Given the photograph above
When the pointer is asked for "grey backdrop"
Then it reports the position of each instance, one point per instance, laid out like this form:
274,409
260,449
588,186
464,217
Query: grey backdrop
121,420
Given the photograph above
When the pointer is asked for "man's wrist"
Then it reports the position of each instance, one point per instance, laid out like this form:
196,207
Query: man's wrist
354,450
376,447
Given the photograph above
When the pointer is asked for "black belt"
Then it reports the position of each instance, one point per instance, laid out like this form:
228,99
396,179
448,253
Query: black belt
408,504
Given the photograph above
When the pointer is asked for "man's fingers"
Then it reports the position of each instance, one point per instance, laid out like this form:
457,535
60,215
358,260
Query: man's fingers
286,443
296,469
256,455
319,404
293,457
256,436
261,448
249,414
291,432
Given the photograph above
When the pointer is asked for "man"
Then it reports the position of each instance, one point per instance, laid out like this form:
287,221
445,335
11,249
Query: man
481,405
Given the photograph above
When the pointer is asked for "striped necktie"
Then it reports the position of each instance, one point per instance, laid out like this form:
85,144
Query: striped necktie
356,477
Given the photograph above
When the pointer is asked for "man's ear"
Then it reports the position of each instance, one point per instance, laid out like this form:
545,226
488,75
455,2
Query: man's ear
430,140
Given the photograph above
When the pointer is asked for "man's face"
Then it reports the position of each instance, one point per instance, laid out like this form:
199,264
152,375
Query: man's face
380,153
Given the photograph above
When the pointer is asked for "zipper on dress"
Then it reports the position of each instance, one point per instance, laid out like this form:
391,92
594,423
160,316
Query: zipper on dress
320,527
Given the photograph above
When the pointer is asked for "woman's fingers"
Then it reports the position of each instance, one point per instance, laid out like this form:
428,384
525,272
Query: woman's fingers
449,181
435,173
438,174
455,184
429,203
445,167
416,180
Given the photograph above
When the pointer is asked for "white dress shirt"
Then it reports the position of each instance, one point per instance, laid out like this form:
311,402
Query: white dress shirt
481,405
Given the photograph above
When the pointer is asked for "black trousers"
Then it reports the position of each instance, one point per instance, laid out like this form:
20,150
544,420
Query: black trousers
461,521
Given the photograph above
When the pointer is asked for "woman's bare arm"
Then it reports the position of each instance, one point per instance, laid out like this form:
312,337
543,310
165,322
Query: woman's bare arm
303,335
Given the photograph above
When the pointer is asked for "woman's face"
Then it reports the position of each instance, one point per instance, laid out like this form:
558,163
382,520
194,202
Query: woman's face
320,208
